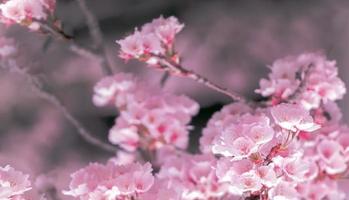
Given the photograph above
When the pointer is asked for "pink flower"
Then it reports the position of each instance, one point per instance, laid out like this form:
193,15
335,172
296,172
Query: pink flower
110,181
162,189
107,90
12,183
293,117
26,11
319,76
193,176
154,39
146,113
127,137
284,190
244,136
249,182
220,121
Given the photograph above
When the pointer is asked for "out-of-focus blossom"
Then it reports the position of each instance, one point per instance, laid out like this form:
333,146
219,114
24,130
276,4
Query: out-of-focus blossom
26,12
193,176
110,181
293,117
149,118
317,77
12,183
153,39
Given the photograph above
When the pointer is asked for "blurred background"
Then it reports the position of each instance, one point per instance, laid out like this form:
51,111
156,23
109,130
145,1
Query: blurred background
229,41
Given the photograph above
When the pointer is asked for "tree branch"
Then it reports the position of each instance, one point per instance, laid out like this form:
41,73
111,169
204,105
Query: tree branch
96,35
36,85
177,69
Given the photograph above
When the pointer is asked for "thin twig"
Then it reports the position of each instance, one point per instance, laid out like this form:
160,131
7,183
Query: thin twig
36,85
177,69
164,79
78,49
303,77
96,35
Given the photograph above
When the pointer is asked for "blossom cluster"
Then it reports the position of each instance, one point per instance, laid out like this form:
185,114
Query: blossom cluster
293,145
285,80
149,118
26,12
111,181
152,40
13,184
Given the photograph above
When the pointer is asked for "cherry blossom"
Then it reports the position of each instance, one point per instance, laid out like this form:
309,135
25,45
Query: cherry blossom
26,12
312,72
148,119
244,136
110,181
293,117
193,176
13,183
156,37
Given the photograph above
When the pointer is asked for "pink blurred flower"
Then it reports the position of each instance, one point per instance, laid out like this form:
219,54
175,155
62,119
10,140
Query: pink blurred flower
111,181
293,117
12,183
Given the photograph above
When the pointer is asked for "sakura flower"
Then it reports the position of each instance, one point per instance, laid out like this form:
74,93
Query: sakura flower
193,175
293,117
162,189
12,183
146,113
244,136
26,12
219,122
127,137
154,39
105,91
284,190
110,181
249,182
318,76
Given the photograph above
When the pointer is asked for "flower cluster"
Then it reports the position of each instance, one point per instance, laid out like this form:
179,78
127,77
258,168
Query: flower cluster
309,79
149,118
193,176
26,12
111,181
153,39
13,184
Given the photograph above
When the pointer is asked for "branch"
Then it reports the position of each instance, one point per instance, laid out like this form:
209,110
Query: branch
36,85
303,77
177,69
59,34
96,35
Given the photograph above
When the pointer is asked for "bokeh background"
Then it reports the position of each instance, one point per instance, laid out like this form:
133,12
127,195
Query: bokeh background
229,41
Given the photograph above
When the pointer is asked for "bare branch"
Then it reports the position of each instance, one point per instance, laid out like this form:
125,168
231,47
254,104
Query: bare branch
96,35
36,85
177,69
